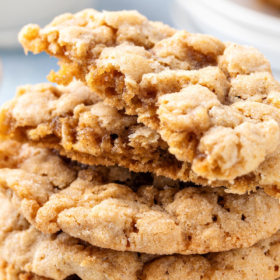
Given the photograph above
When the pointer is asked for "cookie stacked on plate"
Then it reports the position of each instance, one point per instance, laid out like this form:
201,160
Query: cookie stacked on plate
157,156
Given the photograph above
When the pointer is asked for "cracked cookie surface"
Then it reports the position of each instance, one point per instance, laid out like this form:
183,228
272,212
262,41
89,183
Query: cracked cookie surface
56,256
190,88
59,256
257,262
114,208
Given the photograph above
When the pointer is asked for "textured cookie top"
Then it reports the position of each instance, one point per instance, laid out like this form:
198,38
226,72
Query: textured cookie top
159,218
57,256
77,123
257,262
215,105
85,34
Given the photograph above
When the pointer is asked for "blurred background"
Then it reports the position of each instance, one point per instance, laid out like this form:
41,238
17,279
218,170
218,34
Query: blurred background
250,22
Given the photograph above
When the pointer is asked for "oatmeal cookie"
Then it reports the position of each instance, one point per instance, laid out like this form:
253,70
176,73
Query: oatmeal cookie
84,35
59,256
258,262
56,256
215,105
160,218
77,123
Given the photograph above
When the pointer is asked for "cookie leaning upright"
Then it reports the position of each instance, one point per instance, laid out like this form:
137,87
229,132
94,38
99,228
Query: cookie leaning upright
185,86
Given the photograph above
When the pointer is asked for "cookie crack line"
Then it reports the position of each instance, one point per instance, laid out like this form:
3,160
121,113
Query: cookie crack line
152,216
31,255
215,105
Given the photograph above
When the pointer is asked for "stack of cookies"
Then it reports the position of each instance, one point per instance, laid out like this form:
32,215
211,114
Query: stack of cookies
156,157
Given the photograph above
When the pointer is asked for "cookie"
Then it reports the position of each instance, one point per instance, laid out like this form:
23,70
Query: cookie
164,217
215,105
58,255
92,29
77,123
258,262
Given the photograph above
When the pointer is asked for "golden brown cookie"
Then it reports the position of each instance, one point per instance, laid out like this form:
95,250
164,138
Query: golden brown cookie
258,262
59,256
77,123
99,205
56,256
215,105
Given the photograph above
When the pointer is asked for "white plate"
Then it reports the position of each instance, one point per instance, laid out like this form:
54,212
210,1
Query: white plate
231,21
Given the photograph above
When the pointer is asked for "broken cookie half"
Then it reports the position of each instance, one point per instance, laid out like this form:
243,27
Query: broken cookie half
78,124
215,105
